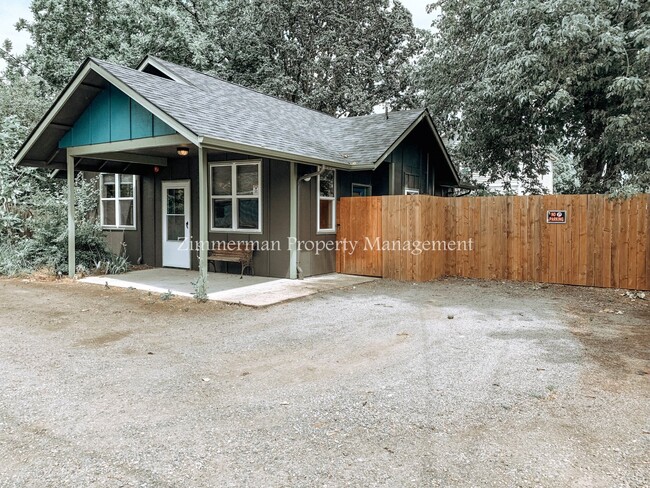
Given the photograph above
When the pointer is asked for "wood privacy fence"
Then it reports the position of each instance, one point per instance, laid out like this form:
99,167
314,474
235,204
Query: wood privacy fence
604,242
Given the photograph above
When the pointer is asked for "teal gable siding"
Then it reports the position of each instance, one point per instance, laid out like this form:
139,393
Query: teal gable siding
113,116
120,115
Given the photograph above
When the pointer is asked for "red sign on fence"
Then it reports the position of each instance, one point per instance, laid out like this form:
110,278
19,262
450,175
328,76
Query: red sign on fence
556,216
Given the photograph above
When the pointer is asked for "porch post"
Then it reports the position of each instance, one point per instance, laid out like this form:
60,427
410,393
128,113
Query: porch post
71,230
293,220
203,215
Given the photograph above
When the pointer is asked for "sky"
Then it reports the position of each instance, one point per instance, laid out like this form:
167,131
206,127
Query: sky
12,10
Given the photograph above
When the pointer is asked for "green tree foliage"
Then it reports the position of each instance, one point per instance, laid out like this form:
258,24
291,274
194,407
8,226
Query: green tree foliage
514,81
22,103
337,56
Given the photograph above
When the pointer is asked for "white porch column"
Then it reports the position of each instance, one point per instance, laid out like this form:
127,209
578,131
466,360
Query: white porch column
293,220
71,230
203,214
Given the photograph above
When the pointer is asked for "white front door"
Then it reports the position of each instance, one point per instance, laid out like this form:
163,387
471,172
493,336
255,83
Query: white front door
176,224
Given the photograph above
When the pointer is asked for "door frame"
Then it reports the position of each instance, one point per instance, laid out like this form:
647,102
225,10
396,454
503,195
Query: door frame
186,185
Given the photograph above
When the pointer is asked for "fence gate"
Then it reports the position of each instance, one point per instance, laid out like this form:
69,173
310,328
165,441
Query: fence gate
359,223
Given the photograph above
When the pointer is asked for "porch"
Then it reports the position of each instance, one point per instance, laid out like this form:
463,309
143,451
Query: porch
252,291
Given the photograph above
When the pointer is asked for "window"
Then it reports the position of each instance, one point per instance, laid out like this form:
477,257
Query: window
235,191
117,206
326,201
359,190
411,184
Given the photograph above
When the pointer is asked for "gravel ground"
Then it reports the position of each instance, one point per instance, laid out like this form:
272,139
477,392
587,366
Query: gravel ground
451,383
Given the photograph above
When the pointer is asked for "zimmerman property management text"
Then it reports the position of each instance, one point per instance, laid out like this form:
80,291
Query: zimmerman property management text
345,245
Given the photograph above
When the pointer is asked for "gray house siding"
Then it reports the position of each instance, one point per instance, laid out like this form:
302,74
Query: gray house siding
310,262
275,220
132,238
275,214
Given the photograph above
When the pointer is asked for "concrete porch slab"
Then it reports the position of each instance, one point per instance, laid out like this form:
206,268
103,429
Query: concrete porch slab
253,291
265,294
178,281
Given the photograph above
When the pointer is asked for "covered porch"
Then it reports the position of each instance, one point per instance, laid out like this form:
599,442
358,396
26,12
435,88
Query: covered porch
173,218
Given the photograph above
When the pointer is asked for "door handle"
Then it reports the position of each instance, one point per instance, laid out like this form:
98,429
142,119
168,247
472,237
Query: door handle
187,224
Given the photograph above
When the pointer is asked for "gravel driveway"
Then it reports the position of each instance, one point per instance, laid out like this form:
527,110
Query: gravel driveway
451,383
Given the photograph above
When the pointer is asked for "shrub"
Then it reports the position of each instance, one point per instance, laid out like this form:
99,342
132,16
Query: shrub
35,233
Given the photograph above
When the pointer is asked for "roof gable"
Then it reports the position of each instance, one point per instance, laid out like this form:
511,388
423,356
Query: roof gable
113,116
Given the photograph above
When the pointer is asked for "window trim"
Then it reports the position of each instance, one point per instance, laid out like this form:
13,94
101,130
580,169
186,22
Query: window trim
361,185
234,197
117,198
331,230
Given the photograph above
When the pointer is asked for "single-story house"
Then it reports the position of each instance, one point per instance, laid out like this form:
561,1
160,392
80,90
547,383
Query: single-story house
187,158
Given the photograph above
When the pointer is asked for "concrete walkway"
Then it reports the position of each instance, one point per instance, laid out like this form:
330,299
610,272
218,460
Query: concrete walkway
253,291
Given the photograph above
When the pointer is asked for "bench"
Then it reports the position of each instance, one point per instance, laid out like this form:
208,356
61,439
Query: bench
234,252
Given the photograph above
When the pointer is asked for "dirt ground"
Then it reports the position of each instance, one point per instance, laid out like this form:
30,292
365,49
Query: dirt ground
450,383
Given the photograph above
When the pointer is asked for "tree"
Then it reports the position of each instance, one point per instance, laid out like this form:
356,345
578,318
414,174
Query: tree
22,103
514,81
337,56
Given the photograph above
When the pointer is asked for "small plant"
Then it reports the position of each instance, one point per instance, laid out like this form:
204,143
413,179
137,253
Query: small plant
117,265
166,296
82,270
200,289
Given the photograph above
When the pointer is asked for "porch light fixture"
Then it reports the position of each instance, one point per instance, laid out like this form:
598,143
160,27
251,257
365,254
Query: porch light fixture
182,151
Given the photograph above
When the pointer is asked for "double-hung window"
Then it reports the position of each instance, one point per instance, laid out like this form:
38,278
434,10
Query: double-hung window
236,196
326,201
117,205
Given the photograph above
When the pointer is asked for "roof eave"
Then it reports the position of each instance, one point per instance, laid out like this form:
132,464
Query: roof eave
399,140
222,144
88,65
63,97
424,115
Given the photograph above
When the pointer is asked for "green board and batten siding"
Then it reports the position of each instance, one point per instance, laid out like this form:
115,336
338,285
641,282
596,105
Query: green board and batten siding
113,116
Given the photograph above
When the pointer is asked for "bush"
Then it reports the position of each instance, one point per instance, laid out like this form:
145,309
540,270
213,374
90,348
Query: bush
34,234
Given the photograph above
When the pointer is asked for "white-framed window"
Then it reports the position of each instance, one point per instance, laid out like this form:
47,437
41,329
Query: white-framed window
326,208
360,190
236,196
117,201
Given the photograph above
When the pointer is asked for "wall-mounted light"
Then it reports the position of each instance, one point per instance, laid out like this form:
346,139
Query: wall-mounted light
182,151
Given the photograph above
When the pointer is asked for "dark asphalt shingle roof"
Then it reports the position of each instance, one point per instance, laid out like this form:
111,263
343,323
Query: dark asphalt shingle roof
210,107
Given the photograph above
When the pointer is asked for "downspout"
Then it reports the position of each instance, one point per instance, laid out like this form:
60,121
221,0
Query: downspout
306,177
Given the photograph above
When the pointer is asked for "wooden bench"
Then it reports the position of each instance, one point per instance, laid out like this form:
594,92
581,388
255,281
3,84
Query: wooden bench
235,252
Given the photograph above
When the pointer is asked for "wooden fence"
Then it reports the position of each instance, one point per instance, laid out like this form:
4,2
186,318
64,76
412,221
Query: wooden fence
604,242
